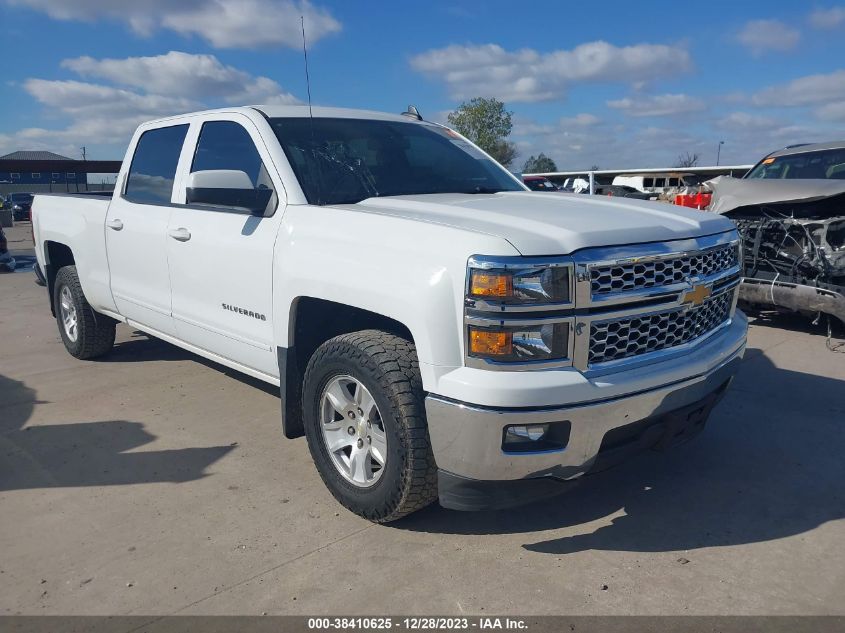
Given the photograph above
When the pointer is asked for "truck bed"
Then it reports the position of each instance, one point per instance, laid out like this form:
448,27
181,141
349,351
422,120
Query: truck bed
76,220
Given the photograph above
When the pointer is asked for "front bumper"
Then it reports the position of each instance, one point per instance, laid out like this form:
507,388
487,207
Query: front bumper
475,473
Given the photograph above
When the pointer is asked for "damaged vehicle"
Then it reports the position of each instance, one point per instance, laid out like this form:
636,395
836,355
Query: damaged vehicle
790,212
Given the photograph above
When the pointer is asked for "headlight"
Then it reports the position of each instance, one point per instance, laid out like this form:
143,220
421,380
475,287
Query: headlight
519,281
504,300
520,343
17,207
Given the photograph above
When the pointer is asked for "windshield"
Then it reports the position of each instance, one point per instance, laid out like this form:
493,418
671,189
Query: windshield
21,197
825,164
343,161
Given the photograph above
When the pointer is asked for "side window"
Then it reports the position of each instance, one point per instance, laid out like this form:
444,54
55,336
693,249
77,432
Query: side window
648,182
226,146
154,164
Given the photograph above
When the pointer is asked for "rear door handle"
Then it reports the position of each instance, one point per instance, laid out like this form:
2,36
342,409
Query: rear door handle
115,224
181,234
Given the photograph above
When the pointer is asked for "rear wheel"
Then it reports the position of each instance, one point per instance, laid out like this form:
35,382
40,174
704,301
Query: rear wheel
85,333
365,423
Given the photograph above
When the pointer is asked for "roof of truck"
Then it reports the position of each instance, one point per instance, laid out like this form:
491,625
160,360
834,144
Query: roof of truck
808,147
274,111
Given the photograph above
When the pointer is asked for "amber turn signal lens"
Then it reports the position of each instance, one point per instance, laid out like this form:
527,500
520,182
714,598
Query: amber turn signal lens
490,342
486,284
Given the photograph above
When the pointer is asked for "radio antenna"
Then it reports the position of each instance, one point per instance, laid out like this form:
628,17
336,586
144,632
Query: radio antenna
311,115
305,54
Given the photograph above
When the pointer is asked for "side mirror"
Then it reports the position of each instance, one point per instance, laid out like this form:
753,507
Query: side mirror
227,188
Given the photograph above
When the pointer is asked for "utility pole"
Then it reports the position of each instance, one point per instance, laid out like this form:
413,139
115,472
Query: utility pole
719,152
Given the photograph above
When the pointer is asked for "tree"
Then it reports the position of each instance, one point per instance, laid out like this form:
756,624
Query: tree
504,152
595,168
539,164
487,124
688,160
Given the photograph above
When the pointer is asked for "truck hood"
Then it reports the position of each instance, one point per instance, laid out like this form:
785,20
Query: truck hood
792,197
551,223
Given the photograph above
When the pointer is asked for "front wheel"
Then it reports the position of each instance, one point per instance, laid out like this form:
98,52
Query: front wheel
85,333
364,414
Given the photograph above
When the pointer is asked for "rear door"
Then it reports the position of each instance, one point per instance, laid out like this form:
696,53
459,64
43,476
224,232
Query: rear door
221,256
136,229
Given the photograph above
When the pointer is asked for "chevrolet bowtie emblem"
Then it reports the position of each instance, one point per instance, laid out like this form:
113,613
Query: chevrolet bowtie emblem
697,295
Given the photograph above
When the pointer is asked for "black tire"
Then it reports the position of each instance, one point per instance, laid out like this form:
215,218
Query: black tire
387,366
95,332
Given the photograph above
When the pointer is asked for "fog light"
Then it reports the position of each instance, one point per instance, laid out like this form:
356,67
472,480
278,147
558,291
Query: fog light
535,438
533,432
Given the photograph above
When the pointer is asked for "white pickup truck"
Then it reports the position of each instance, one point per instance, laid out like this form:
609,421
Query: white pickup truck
436,329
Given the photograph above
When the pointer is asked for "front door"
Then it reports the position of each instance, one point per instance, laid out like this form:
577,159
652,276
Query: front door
136,230
221,256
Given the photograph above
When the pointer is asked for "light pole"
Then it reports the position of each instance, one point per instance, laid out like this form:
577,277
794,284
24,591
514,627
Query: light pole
719,151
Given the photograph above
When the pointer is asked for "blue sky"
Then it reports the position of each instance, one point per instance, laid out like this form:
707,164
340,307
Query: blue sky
589,84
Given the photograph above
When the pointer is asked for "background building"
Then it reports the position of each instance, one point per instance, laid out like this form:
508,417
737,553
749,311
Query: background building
41,171
27,173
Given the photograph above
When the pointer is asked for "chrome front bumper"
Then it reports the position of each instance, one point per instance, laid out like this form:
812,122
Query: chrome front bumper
467,439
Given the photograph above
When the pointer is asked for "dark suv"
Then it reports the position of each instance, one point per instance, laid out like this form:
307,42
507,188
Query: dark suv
21,205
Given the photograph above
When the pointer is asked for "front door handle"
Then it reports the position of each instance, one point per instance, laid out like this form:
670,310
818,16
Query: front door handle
181,234
115,224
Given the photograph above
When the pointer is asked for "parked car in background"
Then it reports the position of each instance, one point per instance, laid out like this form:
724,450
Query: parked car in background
657,183
624,191
539,183
7,262
790,211
436,330
21,205
576,184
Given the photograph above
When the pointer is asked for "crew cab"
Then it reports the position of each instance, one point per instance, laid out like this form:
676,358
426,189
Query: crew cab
436,330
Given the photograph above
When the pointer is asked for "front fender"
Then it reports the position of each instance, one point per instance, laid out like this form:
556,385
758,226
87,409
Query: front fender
410,271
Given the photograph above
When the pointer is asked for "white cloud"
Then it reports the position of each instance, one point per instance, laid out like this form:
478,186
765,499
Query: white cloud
831,18
832,112
223,23
79,99
761,36
147,88
525,127
658,105
744,122
809,90
583,119
528,75
200,76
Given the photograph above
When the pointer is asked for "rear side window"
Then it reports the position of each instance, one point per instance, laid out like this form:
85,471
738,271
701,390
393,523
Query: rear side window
154,164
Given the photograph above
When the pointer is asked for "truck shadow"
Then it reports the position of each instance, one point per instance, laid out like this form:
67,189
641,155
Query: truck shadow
144,348
797,323
85,453
769,465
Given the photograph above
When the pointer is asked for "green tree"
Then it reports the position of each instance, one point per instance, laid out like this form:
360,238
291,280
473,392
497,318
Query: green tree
539,164
488,124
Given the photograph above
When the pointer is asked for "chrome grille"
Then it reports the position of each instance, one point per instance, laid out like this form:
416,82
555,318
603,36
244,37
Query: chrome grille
621,277
628,337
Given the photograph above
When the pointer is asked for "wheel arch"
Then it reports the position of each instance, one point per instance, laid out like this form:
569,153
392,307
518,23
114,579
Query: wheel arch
56,256
314,321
